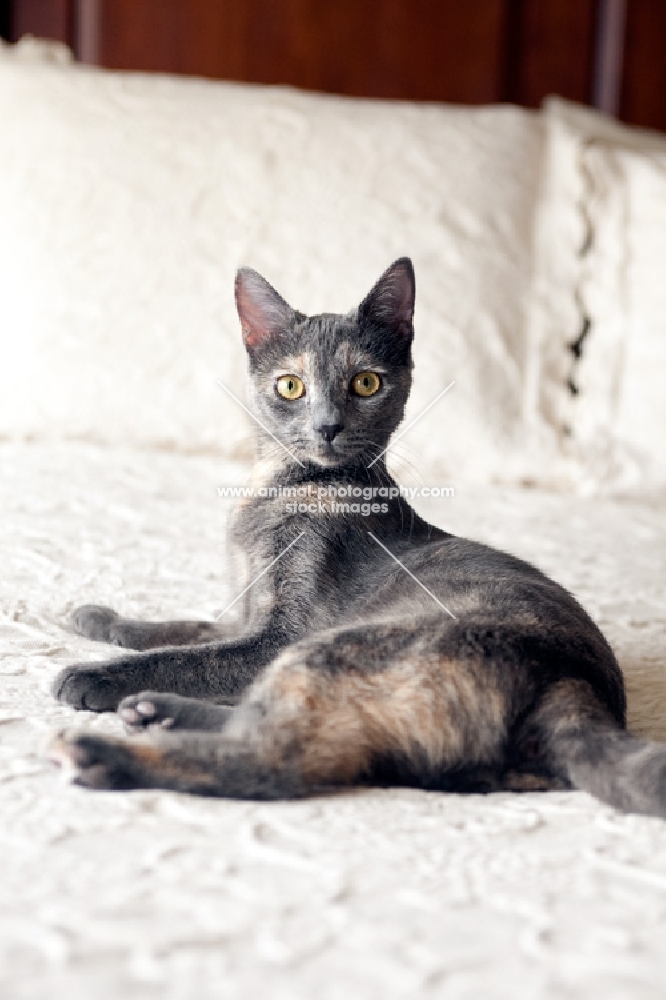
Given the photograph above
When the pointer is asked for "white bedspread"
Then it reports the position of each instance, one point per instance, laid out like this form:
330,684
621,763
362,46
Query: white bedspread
361,895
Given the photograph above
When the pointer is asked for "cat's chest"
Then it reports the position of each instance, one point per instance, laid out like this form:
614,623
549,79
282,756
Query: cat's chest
303,557
331,520
316,536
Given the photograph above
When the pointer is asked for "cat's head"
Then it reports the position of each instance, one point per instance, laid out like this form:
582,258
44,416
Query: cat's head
332,388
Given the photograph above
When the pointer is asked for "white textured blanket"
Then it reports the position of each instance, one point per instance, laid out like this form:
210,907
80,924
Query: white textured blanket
367,894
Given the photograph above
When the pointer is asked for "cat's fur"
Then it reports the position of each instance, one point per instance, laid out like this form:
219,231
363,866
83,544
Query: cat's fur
346,670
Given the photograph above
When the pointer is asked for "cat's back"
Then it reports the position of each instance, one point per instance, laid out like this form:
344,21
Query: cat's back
467,577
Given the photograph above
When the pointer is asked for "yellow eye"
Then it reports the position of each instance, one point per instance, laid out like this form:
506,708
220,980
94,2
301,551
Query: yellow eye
290,386
366,383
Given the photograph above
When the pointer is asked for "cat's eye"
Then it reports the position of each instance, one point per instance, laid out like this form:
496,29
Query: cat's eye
366,383
290,387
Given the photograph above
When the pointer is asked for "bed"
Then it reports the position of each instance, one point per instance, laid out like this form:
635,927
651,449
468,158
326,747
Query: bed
117,319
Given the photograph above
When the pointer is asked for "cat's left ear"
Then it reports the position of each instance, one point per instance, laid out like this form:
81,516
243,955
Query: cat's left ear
391,301
263,313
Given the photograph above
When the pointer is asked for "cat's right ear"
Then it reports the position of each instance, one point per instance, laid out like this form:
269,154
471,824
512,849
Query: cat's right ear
263,313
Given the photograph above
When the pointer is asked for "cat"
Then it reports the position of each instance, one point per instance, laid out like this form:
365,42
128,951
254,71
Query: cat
375,648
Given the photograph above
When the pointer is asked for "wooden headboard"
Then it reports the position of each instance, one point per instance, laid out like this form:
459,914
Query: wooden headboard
608,53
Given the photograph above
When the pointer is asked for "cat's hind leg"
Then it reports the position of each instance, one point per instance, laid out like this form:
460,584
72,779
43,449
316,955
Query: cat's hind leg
105,625
154,709
377,704
199,763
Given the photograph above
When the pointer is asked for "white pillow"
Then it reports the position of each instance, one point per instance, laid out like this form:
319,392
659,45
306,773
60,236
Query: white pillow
128,201
601,248
641,423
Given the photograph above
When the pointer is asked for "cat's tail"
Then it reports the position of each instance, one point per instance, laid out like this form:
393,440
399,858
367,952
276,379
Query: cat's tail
626,772
587,747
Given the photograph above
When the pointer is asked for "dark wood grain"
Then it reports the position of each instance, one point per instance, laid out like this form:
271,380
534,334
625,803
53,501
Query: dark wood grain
43,18
5,19
417,49
549,50
472,52
643,95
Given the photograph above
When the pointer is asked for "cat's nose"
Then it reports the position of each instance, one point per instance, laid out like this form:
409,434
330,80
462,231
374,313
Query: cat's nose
328,431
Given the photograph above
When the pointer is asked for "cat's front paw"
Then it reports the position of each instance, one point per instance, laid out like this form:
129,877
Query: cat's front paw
96,761
96,622
96,689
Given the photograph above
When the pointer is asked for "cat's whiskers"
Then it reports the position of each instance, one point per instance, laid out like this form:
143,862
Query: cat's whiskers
402,463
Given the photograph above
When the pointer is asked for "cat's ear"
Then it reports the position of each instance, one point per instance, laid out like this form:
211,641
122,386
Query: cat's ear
391,302
263,313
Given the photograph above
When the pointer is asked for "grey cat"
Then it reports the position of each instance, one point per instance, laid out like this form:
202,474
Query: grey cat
376,648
